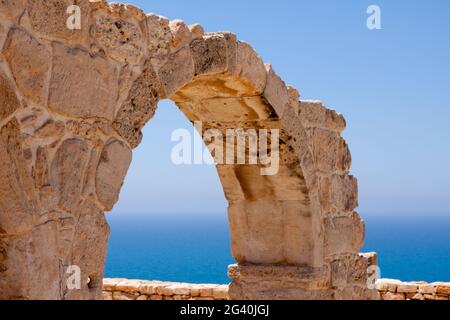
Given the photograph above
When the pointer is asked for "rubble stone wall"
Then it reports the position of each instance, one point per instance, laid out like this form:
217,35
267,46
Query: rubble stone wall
124,289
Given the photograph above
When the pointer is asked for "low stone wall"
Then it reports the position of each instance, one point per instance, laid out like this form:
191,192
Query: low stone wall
397,290
124,289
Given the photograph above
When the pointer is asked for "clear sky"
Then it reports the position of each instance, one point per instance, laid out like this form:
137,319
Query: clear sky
392,85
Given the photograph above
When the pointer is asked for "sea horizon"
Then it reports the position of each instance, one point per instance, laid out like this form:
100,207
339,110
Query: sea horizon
196,248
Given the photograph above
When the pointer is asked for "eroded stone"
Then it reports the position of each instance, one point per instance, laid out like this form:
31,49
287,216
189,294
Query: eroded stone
29,63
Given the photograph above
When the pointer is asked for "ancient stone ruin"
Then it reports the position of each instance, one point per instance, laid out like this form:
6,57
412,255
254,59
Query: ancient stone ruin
72,106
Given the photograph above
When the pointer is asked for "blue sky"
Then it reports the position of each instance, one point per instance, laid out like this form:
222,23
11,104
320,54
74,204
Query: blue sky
392,85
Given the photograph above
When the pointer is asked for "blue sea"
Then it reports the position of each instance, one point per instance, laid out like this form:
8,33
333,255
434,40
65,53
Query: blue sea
189,248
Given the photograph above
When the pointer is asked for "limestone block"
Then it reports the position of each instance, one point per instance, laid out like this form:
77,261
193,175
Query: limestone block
80,81
393,296
67,171
250,68
176,289
177,72
276,92
17,198
181,34
8,99
195,290
270,232
40,170
148,287
88,250
349,270
271,282
30,63
121,40
3,34
114,163
385,284
330,151
159,39
355,293
109,284
126,11
12,9
344,193
314,114
343,235
50,129
220,292
107,295
129,286
49,19
140,106
197,31
427,289
443,290
418,296
210,54
44,271
122,296
407,288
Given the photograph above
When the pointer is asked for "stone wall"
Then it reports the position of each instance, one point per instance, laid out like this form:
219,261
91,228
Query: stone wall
389,289
124,289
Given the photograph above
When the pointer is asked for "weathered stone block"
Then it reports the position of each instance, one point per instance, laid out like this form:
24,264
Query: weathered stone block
80,81
407,288
250,67
343,235
159,39
181,34
271,232
114,163
67,171
8,99
344,193
12,9
210,55
330,151
49,19
18,203
257,282
276,92
177,72
140,106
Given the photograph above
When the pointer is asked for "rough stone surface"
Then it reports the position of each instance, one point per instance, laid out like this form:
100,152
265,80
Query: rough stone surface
390,289
114,162
82,85
72,106
8,99
29,62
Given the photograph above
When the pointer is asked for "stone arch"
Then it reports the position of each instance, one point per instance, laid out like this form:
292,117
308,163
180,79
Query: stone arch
73,106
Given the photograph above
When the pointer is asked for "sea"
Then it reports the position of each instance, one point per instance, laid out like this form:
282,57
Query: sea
196,249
